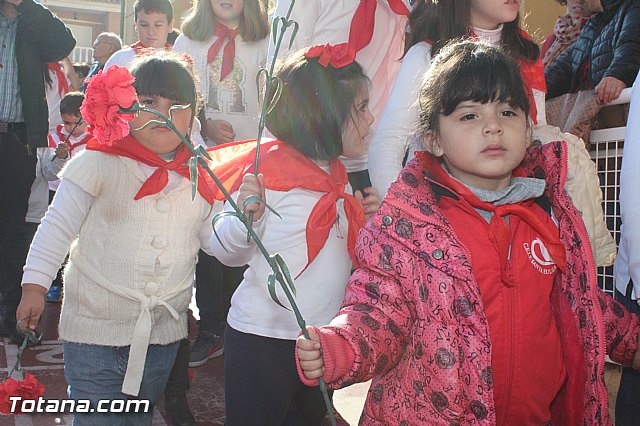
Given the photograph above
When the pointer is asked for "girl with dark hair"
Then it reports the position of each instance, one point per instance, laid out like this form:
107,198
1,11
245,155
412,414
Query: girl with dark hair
475,300
124,207
322,113
433,24
228,43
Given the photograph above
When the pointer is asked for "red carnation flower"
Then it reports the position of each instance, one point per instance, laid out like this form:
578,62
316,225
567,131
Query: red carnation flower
29,388
106,93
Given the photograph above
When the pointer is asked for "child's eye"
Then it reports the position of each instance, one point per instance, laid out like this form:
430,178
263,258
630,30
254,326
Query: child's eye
509,113
147,101
468,117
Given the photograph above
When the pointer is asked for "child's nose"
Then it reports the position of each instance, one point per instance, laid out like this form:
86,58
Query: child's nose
492,126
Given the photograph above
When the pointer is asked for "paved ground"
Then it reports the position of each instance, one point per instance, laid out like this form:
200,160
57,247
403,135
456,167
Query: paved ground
206,396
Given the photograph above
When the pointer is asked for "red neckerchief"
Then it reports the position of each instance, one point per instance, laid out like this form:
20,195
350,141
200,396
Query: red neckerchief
285,168
229,52
64,139
131,148
140,49
532,76
63,85
499,232
363,21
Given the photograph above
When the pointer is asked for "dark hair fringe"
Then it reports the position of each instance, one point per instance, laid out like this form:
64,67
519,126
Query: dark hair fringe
469,71
168,75
315,104
441,21
71,102
153,6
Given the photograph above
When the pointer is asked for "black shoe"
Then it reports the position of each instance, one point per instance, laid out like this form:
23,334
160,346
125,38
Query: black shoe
205,348
178,409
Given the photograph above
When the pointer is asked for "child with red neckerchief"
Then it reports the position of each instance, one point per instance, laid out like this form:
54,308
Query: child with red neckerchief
475,298
124,208
322,113
227,40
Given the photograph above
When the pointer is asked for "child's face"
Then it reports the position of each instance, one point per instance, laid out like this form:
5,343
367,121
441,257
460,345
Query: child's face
228,12
488,14
354,136
481,144
160,139
69,122
153,29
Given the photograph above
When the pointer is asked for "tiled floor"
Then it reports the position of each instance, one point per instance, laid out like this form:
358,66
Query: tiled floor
206,396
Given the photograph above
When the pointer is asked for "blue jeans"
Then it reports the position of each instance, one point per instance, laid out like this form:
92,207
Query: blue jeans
96,373
628,400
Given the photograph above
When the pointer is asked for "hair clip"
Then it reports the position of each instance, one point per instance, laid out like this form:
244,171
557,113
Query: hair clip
338,56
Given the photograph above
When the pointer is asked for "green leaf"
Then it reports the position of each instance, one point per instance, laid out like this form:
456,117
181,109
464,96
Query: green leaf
271,285
203,151
215,220
193,175
285,272
296,27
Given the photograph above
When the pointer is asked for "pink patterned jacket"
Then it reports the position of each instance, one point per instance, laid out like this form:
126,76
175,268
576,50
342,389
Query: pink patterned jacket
413,314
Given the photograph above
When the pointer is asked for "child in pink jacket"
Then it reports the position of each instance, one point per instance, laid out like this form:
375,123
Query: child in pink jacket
475,298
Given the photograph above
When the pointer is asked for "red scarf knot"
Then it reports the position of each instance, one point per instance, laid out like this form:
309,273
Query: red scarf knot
131,148
364,18
233,160
499,231
229,53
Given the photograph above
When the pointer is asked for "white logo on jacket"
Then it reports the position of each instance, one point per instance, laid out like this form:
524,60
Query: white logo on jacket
539,257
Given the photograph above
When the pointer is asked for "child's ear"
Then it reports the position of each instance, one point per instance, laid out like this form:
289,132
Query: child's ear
430,143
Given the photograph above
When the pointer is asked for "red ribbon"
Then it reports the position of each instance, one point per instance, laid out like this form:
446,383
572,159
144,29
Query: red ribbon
131,148
229,52
338,56
363,21
63,85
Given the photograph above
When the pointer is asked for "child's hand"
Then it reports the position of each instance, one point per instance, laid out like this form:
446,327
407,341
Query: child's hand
371,203
252,185
220,131
310,355
62,151
31,306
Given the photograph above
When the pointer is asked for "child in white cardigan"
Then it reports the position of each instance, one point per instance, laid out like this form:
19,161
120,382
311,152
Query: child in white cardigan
124,209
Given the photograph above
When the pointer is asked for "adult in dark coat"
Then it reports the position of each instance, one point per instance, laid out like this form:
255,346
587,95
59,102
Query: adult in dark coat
606,56
31,37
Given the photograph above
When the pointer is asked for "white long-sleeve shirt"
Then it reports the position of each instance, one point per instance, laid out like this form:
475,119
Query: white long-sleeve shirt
47,170
320,289
396,133
627,264
329,21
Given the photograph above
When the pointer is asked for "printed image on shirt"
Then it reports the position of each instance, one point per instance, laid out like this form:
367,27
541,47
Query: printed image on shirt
226,96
